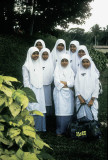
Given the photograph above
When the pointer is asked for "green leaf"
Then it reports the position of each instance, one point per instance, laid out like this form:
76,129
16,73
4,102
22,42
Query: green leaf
13,132
44,155
17,124
29,131
15,109
29,156
6,90
19,141
29,120
20,154
30,94
1,127
33,112
1,119
9,79
5,141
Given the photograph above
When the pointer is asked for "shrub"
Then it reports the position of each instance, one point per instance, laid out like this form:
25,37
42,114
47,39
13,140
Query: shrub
99,59
18,137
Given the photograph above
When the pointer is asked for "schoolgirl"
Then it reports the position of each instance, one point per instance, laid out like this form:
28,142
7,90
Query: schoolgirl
87,89
63,94
33,78
39,44
48,70
58,50
73,52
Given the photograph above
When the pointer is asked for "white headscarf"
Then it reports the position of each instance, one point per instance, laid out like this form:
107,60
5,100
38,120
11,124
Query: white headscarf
86,78
35,69
40,40
48,68
84,48
64,72
74,58
57,54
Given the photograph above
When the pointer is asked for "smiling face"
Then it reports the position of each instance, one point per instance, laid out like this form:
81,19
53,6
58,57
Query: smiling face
64,62
73,48
45,55
81,53
39,45
86,63
35,55
60,47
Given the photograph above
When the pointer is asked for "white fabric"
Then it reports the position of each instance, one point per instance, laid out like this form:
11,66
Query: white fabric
40,106
40,40
48,97
35,69
48,68
83,47
87,85
56,55
74,58
63,97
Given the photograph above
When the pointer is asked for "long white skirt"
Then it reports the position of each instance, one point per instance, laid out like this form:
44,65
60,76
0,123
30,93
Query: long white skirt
47,92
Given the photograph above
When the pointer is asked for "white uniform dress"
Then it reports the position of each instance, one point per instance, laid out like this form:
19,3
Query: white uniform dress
48,70
74,58
56,55
87,85
33,78
63,97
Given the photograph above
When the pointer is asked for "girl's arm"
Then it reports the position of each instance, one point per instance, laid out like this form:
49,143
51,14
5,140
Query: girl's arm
26,77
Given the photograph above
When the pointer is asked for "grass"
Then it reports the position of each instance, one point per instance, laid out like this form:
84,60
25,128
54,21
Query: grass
68,149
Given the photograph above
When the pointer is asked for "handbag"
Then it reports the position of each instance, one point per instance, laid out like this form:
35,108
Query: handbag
83,128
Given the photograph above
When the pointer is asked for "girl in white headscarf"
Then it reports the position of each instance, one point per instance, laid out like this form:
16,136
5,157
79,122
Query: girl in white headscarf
48,70
73,52
33,78
58,50
82,50
39,44
63,94
87,89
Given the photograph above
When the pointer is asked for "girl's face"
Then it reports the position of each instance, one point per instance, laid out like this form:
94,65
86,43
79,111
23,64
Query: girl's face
64,62
39,45
86,63
81,53
35,55
60,47
73,48
45,55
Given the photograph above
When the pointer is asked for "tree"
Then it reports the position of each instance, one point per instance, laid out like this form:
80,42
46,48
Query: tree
44,15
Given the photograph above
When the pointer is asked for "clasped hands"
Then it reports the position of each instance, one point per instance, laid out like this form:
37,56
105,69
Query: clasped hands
82,101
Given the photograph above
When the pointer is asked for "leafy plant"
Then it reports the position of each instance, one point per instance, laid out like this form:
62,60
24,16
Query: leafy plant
18,137
99,59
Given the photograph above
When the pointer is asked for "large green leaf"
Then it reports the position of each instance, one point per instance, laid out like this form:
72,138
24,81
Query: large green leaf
20,154
19,141
10,79
29,156
13,132
29,120
2,99
15,109
29,131
30,94
6,90
6,141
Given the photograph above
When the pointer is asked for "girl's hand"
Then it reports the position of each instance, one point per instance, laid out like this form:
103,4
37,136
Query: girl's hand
91,102
82,101
65,83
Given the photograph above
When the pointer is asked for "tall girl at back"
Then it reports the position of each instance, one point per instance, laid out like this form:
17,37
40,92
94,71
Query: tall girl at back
87,89
33,78
73,52
63,94
58,50
39,44
48,70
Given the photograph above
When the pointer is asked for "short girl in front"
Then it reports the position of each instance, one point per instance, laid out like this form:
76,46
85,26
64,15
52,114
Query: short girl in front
87,89
63,94
33,78
73,52
58,50
48,70
39,44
